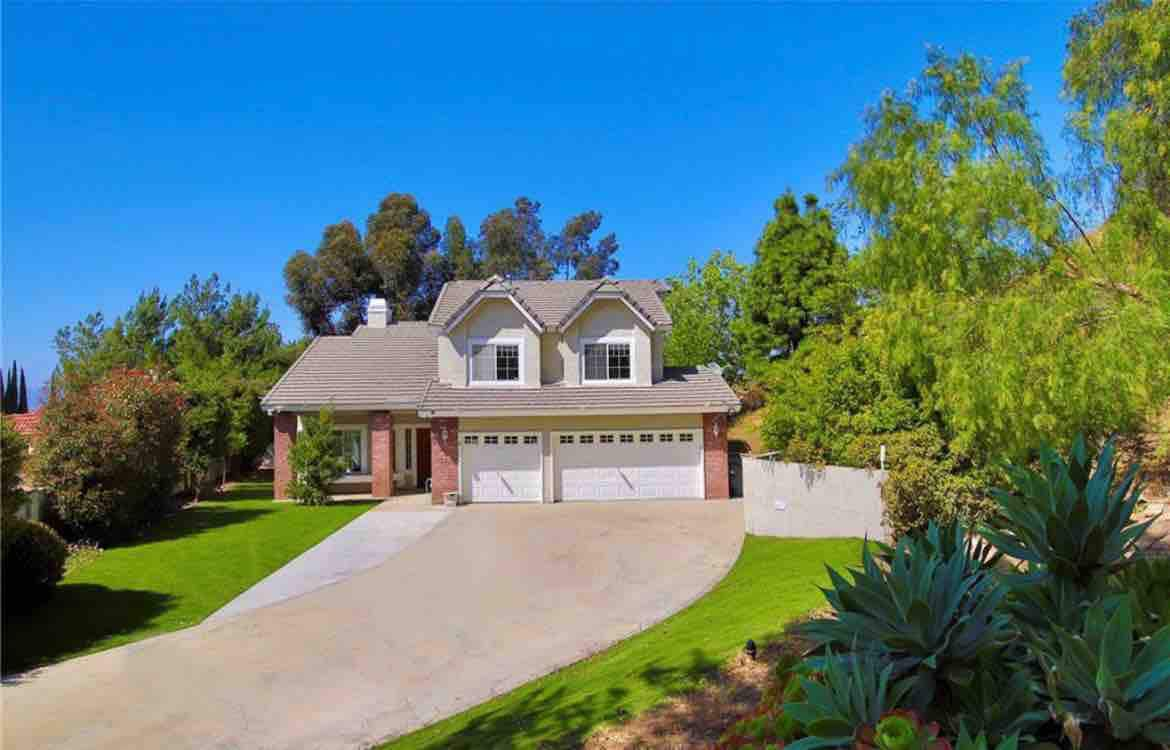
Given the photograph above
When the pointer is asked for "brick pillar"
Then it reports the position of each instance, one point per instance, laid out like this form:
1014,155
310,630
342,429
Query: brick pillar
444,457
284,434
715,456
382,454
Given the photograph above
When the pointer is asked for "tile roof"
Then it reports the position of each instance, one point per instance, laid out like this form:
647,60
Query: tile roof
388,367
681,389
552,302
27,424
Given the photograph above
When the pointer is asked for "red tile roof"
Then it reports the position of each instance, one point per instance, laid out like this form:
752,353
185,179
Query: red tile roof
28,424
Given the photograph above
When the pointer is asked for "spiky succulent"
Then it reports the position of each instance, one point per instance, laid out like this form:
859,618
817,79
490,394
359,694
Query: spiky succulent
931,615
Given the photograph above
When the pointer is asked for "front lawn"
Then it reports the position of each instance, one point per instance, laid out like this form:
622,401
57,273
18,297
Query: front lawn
773,582
186,567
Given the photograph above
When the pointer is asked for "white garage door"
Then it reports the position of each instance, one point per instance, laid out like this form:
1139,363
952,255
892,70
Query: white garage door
629,464
501,467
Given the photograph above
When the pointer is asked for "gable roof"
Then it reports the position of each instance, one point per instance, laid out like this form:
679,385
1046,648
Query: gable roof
550,303
383,368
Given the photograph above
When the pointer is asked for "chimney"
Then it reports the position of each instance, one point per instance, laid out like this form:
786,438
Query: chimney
377,313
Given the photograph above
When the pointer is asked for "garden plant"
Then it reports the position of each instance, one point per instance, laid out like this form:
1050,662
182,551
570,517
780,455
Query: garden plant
1044,627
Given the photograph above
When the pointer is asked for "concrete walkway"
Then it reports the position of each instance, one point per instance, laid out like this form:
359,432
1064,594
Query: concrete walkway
491,598
366,542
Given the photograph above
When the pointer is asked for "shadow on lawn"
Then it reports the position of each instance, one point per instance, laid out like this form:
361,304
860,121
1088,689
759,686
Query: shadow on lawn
565,723
50,633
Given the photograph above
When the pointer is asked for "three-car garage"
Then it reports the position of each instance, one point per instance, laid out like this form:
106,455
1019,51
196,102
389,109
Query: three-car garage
624,464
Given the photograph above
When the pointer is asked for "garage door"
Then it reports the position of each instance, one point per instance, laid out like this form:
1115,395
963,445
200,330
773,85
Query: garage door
629,464
501,467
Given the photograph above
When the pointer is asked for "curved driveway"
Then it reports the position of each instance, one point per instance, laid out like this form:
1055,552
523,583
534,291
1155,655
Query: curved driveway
493,597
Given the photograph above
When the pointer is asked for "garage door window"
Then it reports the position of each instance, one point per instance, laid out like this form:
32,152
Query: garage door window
686,437
627,437
646,437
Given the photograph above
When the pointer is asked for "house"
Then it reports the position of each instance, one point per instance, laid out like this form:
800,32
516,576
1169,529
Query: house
28,425
523,391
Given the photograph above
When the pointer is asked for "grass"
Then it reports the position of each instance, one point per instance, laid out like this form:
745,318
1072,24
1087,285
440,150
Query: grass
186,567
773,581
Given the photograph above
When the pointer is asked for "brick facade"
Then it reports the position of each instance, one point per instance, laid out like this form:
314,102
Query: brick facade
381,454
444,457
284,434
715,456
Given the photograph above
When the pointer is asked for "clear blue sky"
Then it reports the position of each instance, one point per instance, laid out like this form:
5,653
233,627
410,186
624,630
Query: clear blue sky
142,144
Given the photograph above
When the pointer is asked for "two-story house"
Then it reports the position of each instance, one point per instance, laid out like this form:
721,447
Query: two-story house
524,391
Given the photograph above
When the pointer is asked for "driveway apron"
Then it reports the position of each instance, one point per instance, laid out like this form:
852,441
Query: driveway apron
491,598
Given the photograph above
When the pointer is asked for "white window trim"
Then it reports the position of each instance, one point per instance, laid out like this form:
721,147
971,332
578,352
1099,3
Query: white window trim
608,340
365,431
473,342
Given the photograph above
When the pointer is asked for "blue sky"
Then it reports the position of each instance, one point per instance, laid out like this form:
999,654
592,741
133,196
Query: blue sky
144,143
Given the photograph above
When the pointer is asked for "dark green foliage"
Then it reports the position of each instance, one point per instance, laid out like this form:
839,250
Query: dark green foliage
1069,519
514,244
798,280
980,742
703,304
1105,678
22,406
573,253
315,459
14,391
13,452
459,251
933,616
1001,701
857,690
32,560
1148,583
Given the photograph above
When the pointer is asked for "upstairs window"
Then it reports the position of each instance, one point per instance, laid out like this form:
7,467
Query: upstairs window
495,363
607,361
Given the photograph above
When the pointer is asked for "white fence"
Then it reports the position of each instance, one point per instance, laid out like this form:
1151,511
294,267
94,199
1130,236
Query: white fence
803,500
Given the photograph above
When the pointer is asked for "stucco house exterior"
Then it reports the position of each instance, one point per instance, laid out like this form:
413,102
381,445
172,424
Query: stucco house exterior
515,391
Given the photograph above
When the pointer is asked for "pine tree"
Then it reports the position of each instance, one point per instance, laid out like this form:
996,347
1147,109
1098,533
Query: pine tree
23,405
2,392
11,396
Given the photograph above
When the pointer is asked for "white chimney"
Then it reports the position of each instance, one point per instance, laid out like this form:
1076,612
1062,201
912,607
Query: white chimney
377,314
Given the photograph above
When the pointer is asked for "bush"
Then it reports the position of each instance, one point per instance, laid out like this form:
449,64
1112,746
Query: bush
13,450
315,459
32,557
108,453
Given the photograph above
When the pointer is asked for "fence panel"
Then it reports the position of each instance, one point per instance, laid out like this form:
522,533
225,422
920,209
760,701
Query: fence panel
803,500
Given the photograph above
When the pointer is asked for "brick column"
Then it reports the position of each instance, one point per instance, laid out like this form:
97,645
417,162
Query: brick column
382,454
284,434
715,456
444,457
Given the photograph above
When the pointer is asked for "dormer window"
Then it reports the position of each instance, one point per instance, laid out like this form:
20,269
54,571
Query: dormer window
607,361
496,361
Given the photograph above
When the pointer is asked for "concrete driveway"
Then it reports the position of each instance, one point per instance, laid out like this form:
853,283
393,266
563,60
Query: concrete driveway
493,597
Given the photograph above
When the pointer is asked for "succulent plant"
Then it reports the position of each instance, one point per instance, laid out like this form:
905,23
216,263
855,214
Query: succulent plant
931,615
1072,520
1003,700
900,730
856,692
1147,582
1106,682
980,742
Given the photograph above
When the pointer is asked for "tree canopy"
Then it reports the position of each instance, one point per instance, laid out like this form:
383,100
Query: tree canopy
703,304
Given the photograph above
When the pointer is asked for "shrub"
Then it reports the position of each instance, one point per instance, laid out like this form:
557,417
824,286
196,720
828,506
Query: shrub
315,459
32,557
108,453
13,450
933,614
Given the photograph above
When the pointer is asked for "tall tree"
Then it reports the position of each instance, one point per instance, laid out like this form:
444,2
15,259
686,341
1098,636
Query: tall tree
514,244
702,304
10,393
799,280
23,405
459,250
573,253
399,236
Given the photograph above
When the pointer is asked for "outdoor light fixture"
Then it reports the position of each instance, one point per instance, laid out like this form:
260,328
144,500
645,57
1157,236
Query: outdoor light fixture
750,649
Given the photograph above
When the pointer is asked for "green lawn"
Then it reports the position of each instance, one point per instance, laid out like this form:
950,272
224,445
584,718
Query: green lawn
186,567
773,582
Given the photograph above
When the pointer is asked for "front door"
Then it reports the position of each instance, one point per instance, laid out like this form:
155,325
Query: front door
423,436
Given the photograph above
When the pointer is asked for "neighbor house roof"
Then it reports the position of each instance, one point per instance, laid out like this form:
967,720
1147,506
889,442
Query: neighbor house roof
550,303
27,424
680,390
386,368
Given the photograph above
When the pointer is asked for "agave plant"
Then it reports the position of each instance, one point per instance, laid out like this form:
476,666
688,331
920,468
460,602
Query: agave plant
1001,701
1106,683
931,616
1070,519
1148,584
857,691
980,742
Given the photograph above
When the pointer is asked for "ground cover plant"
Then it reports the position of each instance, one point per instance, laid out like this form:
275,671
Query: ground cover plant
184,567
1058,636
